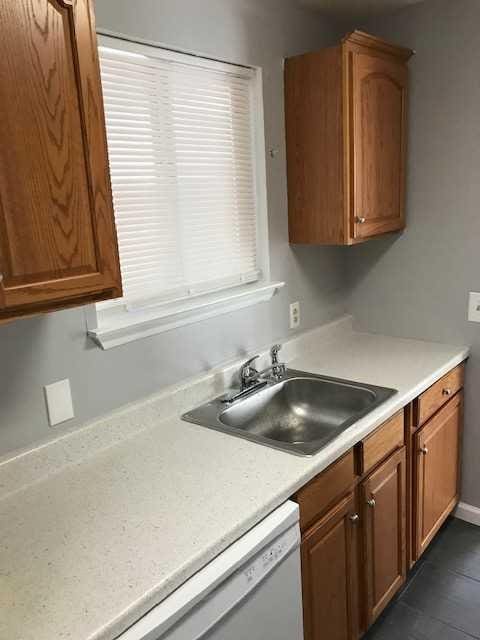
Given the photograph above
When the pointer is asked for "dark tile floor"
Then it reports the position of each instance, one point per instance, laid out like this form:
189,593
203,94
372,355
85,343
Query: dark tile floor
441,600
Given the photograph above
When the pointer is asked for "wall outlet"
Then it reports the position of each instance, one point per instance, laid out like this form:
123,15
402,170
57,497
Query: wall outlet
474,307
58,397
295,317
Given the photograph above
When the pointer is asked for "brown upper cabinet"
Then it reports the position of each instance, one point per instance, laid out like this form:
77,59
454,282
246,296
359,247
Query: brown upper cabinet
58,244
346,119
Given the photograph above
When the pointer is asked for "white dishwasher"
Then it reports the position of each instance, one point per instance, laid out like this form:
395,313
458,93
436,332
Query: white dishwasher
251,591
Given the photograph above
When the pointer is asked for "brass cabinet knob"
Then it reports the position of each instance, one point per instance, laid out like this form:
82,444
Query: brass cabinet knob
360,220
424,450
354,518
447,392
371,502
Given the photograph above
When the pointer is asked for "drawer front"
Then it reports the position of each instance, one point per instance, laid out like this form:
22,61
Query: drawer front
384,441
317,496
438,395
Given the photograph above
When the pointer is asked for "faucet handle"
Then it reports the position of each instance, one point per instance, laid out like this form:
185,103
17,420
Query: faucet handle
248,374
246,368
274,351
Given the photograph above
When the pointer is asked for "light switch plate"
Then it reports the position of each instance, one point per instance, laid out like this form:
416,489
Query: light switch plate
474,307
59,402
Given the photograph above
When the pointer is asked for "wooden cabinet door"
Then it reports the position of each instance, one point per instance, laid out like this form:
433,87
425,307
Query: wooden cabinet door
57,232
378,103
384,515
329,575
437,464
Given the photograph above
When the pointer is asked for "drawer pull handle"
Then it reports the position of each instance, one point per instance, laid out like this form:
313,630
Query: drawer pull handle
360,220
424,450
371,502
354,518
447,392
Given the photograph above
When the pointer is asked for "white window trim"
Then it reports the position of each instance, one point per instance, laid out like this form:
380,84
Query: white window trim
120,329
113,326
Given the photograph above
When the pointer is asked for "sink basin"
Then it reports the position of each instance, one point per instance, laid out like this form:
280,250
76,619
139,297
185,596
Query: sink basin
301,413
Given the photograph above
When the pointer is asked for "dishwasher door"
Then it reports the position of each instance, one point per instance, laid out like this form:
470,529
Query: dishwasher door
251,591
272,611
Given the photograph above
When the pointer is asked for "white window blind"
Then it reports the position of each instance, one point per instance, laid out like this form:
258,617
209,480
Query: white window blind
181,138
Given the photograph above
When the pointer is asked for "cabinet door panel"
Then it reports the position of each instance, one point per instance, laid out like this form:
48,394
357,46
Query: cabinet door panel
437,453
57,234
329,575
384,509
379,130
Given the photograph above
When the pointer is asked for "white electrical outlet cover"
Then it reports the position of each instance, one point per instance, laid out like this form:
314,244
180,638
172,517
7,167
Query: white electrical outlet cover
474,307
295,315
59,402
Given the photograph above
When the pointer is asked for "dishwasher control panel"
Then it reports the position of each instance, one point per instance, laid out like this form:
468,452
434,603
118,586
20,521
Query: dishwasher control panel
271,556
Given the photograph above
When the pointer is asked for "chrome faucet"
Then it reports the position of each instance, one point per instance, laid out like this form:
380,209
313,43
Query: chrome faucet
251,379
249,376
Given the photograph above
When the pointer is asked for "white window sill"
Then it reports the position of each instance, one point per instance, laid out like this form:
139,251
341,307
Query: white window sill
116,326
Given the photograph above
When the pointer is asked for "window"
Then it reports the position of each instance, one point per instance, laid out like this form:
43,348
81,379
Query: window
185,139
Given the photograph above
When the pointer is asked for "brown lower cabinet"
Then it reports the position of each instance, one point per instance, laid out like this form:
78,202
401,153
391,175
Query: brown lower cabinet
355,529
437,471
383,496
329,574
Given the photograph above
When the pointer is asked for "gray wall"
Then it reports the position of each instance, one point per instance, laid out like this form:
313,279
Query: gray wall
41,350
417,284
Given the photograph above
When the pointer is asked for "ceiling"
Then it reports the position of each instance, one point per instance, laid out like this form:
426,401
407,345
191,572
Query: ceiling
357,8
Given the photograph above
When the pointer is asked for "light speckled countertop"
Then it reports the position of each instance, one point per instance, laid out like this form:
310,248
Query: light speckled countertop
101,525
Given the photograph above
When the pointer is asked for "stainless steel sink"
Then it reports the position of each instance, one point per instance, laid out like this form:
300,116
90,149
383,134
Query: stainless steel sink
301,413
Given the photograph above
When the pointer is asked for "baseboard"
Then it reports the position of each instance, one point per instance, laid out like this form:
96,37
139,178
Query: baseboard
468,513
